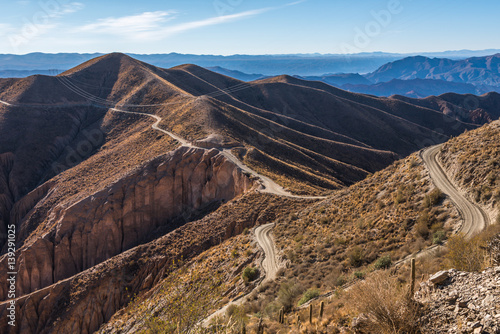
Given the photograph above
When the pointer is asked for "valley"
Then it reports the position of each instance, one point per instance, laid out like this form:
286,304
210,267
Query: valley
121,169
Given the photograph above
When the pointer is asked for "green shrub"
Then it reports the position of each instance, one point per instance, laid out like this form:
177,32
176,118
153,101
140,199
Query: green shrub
356,256
287,293
359,274
308,295
249,274
234,253
438,237
433,198
340,280
384,262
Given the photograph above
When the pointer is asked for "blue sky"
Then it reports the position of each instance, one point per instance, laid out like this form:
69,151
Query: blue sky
248,26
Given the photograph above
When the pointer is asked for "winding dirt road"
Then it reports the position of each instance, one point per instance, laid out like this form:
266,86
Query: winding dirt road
269,264
268,185
474,218
155,126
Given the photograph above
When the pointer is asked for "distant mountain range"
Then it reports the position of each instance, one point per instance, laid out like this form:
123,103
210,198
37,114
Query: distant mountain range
388,74
478,71
417,88
415,77
267,65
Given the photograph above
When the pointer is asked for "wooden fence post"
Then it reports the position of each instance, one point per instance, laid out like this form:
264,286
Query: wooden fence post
412,287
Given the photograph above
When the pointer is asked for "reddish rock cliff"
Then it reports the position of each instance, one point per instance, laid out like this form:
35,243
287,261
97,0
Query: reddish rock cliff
125,214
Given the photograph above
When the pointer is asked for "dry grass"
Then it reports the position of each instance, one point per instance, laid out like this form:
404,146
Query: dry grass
341,238
384,305
473,160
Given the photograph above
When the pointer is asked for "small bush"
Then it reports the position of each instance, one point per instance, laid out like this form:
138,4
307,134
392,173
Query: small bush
422,225
298,238
249,274
413,162
438,237
234,253
465,255
308,295
399,197
340,280
386,305
384,262
356,256
236,314
287,293
422,230
359,275
433,198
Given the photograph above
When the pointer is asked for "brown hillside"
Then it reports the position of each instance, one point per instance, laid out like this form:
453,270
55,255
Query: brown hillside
94,191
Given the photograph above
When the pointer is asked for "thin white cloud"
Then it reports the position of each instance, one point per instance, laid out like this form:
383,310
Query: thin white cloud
152,25
126,25
72,8
60,11
295,3
167,31
179,28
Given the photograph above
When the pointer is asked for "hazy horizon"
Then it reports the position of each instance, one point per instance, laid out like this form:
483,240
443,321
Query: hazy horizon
485,52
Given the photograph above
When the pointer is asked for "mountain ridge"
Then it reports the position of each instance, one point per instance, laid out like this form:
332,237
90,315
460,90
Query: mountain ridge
118,178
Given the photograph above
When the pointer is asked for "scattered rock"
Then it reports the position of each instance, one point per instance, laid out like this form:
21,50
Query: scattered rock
476,300
439,277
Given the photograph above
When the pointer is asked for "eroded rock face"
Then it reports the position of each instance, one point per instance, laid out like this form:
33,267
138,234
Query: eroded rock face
123,215
82,303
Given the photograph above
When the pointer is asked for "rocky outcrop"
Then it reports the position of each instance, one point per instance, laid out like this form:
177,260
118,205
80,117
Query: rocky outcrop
82,303
125,214
462,302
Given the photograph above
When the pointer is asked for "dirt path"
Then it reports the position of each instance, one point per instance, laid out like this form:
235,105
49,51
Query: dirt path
158,119
269,264
474,218
268,185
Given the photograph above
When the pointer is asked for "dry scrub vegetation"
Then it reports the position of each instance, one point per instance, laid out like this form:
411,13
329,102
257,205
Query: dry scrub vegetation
358,231
380,220
473,160
193,290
